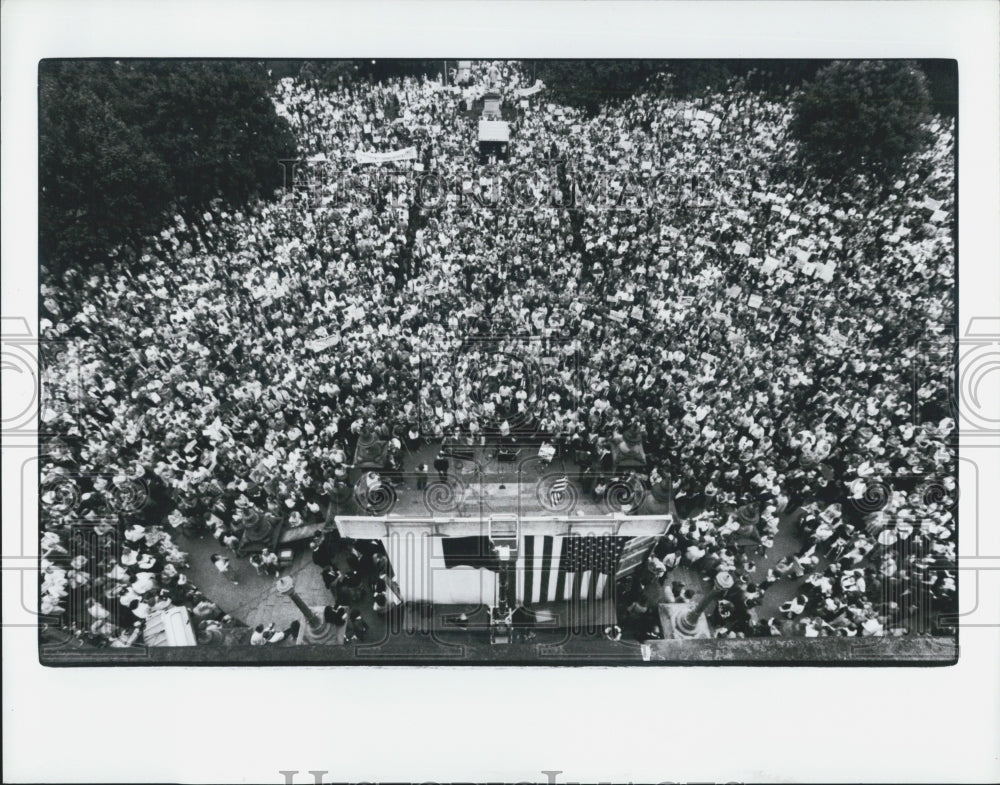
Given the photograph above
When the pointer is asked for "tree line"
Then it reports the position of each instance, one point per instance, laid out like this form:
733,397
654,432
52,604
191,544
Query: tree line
125,144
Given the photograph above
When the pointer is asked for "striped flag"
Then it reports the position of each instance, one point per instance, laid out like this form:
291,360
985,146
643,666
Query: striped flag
557,489
560,569
578,569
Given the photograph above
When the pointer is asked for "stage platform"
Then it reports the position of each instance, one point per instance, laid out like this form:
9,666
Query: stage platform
494,477
469,496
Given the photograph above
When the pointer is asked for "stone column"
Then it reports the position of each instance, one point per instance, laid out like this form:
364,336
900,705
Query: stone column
689,624
317,630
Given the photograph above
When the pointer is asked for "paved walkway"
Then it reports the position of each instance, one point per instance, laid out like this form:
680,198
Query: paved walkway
254,599
786,541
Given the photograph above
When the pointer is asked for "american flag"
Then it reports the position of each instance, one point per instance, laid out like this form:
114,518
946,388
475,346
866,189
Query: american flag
557,489
574,567
577,569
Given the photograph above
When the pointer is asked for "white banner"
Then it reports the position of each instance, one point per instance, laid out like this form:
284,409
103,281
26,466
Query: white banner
406,154
319,344
524,92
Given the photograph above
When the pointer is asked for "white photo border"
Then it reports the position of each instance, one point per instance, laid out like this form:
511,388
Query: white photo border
475,724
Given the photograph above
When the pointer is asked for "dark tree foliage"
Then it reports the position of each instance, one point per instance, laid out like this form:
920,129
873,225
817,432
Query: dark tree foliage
122,144
862,116
333,73
100,185
390,68
942,81
588,84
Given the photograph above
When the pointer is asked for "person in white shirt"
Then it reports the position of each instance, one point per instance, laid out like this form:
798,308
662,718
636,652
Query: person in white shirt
269,563
222,565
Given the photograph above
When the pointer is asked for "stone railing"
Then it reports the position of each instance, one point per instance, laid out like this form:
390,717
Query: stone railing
422,648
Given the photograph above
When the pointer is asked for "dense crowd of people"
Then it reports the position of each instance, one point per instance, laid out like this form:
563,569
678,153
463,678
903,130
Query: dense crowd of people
662,269
106,582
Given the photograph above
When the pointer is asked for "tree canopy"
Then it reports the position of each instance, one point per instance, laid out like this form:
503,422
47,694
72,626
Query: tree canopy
589,84
121,143
862,116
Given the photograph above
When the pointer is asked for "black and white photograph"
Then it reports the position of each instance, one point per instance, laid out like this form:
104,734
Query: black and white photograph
569,364
491,360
